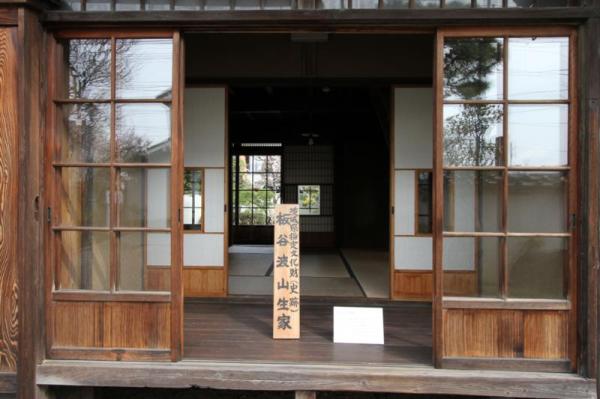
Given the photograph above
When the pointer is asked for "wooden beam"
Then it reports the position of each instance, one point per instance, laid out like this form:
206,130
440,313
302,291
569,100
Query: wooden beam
315,377
323,19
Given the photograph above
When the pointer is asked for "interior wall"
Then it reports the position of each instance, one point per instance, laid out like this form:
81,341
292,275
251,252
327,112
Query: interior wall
205,137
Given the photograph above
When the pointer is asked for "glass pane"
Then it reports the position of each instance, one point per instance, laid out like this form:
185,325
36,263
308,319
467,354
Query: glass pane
473,135
143,133
472,266
247,4
536,267
424,203
84,197
427,4
274,181
127,5
538,135
274,163
458,3
472,201
144,260
245,181
84,260
144,68
538,68
277,4
488,3
88,68
332,4
97,5
84,133
144,197
259,217
473,68
259,199
259,163
537,202
245,198
356,4
259,181
245,216
273,198
395,3
73,5
187,5
158,5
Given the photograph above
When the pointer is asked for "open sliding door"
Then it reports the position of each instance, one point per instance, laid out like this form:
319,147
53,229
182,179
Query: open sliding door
113,175
505,198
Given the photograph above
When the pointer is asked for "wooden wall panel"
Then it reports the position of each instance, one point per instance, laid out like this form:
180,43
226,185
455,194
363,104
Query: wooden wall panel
417,285
413,285
9,187
121,325
77,324
137,325
496,333
204,282
157,278
546,335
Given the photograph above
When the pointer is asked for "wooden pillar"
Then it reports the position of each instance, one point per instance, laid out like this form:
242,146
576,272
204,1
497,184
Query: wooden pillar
31,106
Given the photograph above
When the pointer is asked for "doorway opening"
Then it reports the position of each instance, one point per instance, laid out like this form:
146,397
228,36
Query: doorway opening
307,119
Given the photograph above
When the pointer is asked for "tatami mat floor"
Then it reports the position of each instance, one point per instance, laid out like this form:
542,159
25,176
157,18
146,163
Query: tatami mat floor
323,273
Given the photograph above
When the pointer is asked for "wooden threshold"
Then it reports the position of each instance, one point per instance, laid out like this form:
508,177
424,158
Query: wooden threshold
314,377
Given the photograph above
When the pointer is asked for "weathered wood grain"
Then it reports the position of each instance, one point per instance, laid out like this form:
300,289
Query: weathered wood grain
9,186
308,377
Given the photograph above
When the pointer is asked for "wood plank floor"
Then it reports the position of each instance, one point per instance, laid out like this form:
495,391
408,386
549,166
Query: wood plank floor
224,330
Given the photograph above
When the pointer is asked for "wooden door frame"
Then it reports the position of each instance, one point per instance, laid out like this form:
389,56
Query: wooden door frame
571,301
175,296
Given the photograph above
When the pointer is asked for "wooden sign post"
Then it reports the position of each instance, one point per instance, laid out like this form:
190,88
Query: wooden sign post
286,273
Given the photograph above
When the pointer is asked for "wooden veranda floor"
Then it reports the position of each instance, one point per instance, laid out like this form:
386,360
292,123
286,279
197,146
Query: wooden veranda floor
239,330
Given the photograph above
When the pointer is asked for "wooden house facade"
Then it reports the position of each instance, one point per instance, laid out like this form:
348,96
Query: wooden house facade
445,156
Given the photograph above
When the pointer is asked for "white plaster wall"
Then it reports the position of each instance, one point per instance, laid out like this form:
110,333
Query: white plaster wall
204,126
404,202
214,200
203,250
413,253
413,128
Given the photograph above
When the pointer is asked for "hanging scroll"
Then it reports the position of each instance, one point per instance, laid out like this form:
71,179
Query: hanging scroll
286,273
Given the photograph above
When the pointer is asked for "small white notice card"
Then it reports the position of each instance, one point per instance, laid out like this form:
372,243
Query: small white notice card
352,325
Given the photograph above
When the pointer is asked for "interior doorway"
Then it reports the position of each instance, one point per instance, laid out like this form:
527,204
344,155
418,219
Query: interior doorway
322,147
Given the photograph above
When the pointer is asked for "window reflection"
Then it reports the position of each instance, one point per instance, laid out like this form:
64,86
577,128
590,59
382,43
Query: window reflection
473,68
473,135
143,197
85,257
536,267
84,197
143,133
88,69
537,202
84,132
144,68
538,135
472,201
538,68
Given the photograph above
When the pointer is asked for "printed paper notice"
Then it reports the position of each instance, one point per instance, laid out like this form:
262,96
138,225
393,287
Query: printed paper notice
352,325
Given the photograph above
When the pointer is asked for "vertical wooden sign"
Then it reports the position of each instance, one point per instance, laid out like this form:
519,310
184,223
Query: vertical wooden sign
286,273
